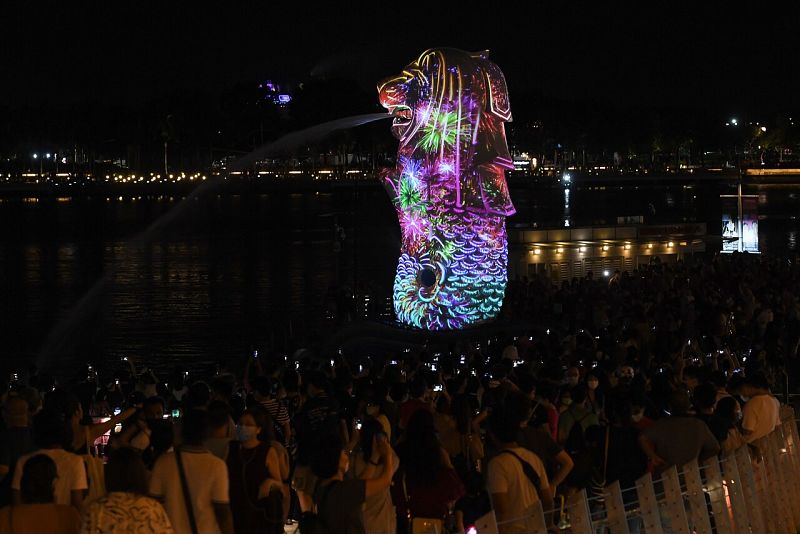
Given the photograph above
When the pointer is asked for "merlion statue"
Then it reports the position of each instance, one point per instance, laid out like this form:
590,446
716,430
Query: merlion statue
449,188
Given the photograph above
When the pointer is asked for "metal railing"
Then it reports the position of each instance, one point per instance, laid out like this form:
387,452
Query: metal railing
754,490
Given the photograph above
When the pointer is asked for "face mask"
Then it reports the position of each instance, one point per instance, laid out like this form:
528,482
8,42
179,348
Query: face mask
637,417
592,384
246,433
372,411
566,402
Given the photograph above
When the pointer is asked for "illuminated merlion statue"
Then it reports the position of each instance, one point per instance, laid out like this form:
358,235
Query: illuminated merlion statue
449,188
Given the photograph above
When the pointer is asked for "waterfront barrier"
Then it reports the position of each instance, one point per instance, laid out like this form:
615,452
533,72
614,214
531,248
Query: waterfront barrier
754,490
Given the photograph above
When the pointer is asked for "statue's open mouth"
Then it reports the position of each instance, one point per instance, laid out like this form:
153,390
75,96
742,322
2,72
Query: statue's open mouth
402,115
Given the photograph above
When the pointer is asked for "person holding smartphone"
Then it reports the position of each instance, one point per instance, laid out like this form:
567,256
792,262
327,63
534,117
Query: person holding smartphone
366,464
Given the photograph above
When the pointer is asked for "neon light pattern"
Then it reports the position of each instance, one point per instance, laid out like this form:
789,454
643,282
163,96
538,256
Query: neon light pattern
449,188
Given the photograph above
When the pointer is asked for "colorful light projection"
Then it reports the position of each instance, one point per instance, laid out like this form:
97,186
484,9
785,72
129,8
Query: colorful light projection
449,188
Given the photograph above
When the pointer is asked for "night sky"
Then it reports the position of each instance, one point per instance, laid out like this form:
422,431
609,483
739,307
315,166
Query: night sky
716,57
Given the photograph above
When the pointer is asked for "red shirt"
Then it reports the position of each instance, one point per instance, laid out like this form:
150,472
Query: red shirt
428,500
408,408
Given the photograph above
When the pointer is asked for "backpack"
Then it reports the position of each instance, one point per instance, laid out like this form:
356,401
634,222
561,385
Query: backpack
575,440
311,522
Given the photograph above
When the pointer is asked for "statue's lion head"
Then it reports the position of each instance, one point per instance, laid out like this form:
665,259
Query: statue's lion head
450,107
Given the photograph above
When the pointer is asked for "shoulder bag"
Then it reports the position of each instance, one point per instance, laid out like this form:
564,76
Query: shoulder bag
187,498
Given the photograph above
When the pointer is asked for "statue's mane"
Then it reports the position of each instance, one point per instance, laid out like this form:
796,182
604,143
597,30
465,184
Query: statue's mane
460,101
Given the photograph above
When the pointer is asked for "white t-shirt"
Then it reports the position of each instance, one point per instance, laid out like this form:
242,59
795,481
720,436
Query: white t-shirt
70,469
760,415
506,476
207,479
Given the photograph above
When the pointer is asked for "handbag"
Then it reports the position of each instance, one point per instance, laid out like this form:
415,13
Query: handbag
187,498
421,525
95,471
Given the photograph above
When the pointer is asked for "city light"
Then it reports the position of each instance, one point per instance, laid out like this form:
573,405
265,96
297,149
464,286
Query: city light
449,109
649,245
559,250
567,178
605,248
606,273
763,128
581,249
627,246
735,122
537,251
48,155
35,156
670,244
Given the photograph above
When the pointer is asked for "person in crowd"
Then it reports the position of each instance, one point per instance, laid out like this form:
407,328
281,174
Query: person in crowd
365,464
595,398
16,440
50,433
729,411
426,485
373,409
138,433
459,434
516,477
678,438
72,410
557,462
574,421
222,429
705,400
127,508
418,392
761,412
37,510
319,415
256,486
192,483
340,501
264,391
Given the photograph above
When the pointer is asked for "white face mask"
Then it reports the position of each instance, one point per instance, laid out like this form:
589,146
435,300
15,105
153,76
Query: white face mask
637,417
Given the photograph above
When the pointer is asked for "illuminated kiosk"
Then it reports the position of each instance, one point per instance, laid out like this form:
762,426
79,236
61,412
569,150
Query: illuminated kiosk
449,188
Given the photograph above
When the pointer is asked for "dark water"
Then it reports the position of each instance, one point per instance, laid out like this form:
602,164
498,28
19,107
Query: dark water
252,269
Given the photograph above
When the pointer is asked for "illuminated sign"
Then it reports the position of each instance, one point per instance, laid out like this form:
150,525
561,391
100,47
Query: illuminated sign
739,228
449,188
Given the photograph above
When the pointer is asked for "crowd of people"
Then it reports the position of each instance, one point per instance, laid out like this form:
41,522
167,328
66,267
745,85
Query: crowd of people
623,375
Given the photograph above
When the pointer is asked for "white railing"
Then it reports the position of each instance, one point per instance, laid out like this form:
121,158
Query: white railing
753,490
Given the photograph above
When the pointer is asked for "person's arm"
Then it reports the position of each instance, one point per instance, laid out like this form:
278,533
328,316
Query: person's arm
76,499
376,485
710,445
4,469
649,449
273,480
546,496
565,465
218,480
224,517
95,431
